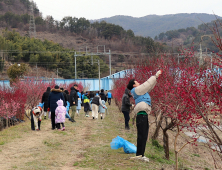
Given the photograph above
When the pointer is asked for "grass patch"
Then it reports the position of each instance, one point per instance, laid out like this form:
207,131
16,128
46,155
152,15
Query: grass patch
9,134
103,157
2,142
52,144
35,165
197,155
76,164
61,132
97,153
157,146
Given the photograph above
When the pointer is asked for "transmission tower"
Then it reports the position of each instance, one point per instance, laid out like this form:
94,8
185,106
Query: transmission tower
32,30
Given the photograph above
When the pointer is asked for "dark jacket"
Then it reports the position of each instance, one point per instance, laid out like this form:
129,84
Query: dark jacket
95,100
65,97
91,95
87,107
54,96
67,94
126,101
103,96
45,98
73,97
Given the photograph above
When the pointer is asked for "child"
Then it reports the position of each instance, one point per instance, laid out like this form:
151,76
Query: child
102,109
36,118
86,105
79,106
60,113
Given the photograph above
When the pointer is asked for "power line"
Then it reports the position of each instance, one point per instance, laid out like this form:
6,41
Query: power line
82,53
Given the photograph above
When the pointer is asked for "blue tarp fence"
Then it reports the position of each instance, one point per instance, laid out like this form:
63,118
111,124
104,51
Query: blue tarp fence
106,83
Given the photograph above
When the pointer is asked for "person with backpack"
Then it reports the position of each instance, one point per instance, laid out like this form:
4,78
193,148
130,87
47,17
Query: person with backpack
73,101
96,102
82,98
87,107
126,107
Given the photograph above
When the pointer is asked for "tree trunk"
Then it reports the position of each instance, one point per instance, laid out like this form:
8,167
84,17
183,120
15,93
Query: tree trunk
166,144
7,121
176,159
156,133
1,124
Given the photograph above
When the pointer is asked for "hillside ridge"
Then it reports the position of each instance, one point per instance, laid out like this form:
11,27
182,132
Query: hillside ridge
152,25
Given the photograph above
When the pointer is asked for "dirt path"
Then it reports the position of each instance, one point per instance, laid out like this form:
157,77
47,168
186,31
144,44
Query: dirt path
47,149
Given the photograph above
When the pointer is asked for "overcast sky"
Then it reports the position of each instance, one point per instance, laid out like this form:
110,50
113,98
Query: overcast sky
96,9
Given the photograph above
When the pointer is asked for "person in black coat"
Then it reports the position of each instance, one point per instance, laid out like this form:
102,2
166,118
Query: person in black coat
73,101
54,96
103,96
68,97
126,107
65,96
91,95
45,97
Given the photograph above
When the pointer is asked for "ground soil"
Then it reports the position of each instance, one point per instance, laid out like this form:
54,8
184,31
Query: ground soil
38,149
85,144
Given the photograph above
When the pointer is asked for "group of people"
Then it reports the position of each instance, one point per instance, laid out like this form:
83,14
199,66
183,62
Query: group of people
58,102
141,110
95,103
56,99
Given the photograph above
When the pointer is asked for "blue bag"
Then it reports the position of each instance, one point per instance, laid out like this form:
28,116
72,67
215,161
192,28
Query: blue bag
119,142
67,109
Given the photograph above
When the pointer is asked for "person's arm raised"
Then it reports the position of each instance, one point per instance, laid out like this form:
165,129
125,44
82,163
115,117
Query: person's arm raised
148,85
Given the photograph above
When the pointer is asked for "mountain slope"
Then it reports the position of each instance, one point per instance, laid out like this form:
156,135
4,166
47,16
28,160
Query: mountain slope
152,25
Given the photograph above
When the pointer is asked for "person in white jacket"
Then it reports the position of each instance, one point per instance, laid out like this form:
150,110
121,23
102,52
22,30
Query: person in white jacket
142,109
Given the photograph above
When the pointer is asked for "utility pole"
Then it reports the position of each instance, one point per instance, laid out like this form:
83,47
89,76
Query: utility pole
110,72
87,53
37,71
75,66
201,57
92,60
99,73
32,29
178,59
211,60
57,72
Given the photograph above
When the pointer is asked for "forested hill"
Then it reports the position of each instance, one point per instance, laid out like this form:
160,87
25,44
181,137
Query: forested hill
16,7
152,25
191,36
